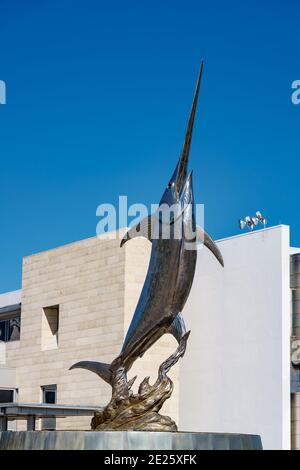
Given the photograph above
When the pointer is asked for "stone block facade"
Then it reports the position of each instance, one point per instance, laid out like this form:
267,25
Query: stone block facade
96,285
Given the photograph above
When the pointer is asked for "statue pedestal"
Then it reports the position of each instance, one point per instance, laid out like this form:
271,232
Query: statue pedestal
126,440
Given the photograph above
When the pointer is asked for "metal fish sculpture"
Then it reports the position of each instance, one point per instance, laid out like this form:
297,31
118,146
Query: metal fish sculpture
171,269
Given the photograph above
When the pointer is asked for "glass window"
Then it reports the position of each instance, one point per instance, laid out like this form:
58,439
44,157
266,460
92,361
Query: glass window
2,331
49,394
49,397
14,329
6,396
10,327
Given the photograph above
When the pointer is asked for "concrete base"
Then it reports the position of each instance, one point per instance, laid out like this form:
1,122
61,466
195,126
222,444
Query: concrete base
126,440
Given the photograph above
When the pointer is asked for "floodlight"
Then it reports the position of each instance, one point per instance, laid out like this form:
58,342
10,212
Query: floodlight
242,224
261,218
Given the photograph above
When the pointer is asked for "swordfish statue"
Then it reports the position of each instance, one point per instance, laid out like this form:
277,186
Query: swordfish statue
174,236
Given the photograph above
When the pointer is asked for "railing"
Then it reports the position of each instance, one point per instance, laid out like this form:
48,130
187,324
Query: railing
32,411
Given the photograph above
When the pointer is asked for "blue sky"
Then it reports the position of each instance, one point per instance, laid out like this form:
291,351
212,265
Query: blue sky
98,95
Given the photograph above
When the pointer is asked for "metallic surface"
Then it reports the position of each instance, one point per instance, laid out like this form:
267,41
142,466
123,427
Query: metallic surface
140,411
129,440
167,285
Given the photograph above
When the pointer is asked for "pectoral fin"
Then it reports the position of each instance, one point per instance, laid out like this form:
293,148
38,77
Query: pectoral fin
99,368
203,237
142,229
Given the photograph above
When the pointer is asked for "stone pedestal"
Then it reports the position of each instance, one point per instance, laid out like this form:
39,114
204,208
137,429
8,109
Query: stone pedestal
126,440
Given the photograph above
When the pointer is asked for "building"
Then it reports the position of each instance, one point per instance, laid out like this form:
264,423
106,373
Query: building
242,320
77,301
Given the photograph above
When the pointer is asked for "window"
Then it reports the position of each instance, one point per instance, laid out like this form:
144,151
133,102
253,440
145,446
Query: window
10,325
49,394
7,395
50,325
49,397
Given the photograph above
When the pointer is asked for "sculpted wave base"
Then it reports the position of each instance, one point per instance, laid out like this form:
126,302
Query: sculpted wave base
126,440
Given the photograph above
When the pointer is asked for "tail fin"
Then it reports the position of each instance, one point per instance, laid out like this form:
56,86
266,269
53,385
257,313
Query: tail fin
99,368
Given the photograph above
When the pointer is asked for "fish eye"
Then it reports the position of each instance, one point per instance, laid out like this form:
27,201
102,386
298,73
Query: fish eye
171,185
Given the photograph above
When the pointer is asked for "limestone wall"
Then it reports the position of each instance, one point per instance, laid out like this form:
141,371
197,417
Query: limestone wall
96,285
